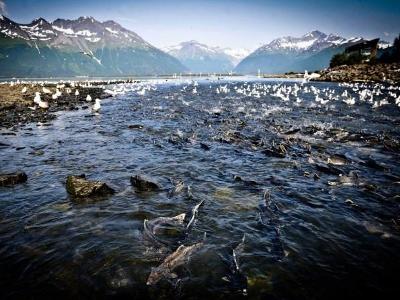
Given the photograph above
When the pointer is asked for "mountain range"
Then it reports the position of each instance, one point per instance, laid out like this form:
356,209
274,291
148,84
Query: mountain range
87,47
78,47
198,57
312,51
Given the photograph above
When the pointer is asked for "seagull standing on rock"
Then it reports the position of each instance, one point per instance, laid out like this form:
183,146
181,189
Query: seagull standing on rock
37,98
97,105
24,90
88,98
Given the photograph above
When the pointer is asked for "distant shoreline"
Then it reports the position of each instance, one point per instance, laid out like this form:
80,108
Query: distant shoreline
105,79
378,73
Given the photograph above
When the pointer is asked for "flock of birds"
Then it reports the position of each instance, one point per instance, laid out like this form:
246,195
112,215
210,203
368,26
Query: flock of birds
60,89
376,95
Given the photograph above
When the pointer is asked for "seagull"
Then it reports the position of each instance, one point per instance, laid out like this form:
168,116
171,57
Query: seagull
97,106
88,98
37,98
349,101
24,90
46,90
43,104
76,93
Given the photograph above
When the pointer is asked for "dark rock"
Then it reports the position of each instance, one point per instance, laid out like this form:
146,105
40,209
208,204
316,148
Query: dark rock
205,146
370,162
328,169
143,184
12,178
135,126
79,187
3,145
237,178
276,151
293,131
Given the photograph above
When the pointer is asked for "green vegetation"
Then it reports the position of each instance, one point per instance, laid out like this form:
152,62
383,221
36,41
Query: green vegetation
345,59
19,58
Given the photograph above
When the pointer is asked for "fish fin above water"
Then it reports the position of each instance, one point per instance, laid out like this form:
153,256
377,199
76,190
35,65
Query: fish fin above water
235,260
195,210
180,218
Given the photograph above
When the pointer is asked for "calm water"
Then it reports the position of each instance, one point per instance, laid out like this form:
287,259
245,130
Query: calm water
305,242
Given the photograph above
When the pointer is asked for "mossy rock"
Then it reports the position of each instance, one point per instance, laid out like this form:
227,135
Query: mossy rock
12,178
79,187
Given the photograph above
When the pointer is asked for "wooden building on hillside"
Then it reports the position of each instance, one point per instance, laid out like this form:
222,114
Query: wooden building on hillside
367,49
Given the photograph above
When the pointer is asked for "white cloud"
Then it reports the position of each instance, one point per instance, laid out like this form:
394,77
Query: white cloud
3,10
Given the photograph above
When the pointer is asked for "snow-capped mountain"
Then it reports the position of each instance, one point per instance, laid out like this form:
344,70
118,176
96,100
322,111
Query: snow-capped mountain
115,50
199,57
84,33
311,42
311,51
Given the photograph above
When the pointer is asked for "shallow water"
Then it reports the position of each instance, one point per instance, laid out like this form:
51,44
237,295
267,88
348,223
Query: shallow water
307,242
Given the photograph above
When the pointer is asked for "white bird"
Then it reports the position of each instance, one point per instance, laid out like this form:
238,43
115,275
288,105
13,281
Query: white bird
37,98
349,101
76,93
97,105
88,98
24,90
43,104
46,90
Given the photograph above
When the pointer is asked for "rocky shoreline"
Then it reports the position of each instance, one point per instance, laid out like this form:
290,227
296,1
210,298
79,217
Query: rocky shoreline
380,73
16,99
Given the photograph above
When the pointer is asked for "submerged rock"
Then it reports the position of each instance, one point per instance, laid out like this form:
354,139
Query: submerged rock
13,178
135,126
205,146
144,184
79,187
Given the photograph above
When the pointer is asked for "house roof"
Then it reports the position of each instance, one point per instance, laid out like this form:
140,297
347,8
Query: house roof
363,45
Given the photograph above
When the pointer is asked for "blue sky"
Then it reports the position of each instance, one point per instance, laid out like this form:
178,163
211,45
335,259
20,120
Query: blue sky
227,23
